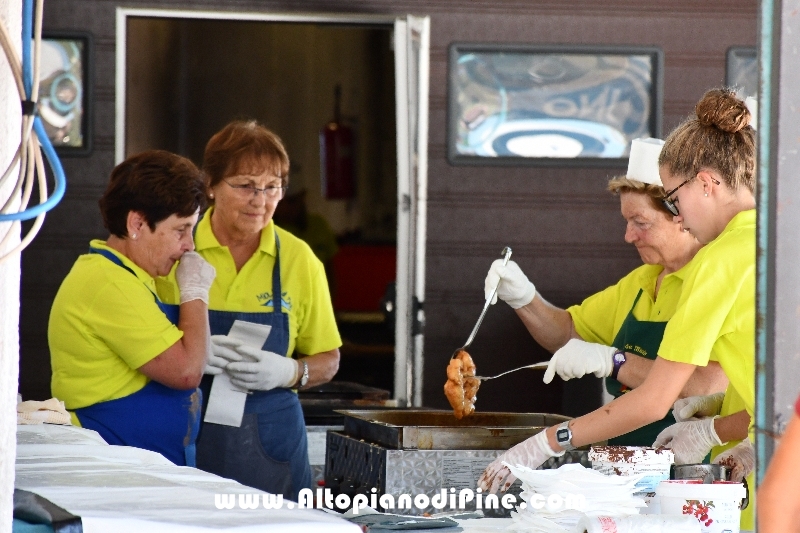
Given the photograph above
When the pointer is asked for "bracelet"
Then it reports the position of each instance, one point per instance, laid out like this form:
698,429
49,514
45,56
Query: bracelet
303,379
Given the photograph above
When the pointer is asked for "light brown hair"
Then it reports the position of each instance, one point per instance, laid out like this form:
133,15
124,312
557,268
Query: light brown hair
621,184
719,138
246,148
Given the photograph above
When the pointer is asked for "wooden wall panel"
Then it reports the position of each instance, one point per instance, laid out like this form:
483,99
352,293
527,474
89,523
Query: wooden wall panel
565,229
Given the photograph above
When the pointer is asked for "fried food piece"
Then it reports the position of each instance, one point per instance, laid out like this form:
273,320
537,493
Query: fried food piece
461,388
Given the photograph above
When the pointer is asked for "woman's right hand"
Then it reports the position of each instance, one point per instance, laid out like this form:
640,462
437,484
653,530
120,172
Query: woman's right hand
532,453
513,286
194,276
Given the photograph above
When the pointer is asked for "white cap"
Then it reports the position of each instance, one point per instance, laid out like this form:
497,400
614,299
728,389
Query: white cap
643,161
752,106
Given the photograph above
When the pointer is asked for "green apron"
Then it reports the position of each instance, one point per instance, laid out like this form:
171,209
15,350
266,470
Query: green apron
641,338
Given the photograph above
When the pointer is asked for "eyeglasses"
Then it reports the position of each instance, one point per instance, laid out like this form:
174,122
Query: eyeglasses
669,203
248,191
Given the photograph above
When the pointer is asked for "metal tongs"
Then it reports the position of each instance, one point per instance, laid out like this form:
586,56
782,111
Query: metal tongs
506,253
534,366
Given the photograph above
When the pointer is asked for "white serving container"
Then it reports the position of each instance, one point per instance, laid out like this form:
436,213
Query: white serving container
716,506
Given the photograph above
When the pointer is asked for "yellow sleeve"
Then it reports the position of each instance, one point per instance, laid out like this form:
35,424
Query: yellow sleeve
317,331
125,316
595,318
709,294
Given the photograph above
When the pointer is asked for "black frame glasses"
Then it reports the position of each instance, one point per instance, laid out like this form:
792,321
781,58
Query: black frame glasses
669,203
250,191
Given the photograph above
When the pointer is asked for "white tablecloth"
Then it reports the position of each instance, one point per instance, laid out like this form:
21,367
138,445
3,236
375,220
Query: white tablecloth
123,489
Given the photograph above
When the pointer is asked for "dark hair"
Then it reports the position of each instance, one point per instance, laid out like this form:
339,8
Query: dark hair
719,138
157,184
621,184
244,147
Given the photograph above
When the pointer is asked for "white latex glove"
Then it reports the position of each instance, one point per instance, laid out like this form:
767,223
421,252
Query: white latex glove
194,276
578,358
513,286
690,441
222,353
695,407
740,460
531,452
260,369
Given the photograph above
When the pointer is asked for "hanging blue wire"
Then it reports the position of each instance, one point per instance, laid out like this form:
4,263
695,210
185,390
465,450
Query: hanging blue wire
47,146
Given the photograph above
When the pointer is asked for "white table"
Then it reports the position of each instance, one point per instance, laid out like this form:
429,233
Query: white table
130,490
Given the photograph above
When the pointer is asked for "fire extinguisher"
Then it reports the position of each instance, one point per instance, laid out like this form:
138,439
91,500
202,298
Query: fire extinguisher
336,147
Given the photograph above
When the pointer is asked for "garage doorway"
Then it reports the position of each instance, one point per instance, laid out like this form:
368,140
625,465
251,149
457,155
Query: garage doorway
182,75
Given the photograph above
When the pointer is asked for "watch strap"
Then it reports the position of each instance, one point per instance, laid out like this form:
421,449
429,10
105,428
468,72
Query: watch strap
564,436
617,359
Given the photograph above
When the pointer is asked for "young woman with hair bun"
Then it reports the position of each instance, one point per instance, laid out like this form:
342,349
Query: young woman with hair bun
707,166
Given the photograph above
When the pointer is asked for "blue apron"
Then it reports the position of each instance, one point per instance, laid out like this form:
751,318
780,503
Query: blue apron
269,451
157,417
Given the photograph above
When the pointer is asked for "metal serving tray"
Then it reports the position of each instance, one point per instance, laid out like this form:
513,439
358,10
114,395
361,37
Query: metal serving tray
410,429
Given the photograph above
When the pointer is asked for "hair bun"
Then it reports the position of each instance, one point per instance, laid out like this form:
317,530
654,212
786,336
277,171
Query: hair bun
722,109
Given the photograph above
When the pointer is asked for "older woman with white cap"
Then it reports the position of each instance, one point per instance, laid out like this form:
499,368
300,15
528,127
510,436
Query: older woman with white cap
632,314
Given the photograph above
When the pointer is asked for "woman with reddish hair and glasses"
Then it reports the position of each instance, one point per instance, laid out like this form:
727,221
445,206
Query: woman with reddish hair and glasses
266,276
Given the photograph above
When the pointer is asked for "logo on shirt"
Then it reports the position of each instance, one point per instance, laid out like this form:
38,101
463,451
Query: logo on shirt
635,349
265,300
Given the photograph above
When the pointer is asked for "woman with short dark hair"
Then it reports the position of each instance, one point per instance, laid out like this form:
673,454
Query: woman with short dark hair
125,364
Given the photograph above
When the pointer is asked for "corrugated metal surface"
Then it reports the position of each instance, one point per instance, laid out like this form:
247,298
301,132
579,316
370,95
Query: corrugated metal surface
354,466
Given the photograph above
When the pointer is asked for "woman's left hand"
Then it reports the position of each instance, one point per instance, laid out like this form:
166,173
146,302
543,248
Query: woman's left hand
740,460
578,358
262,370
690,441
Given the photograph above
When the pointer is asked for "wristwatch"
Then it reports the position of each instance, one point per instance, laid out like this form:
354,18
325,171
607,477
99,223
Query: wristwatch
564,436
304,377
618,359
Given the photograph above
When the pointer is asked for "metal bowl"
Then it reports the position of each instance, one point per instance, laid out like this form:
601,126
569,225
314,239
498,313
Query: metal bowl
708,473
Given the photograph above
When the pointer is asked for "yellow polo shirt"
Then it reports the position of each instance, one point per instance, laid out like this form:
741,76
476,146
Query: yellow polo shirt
104,324
305,298
600,316
716,312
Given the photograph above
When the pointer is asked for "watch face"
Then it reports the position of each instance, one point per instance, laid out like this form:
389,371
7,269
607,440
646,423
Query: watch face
562,435
619,357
